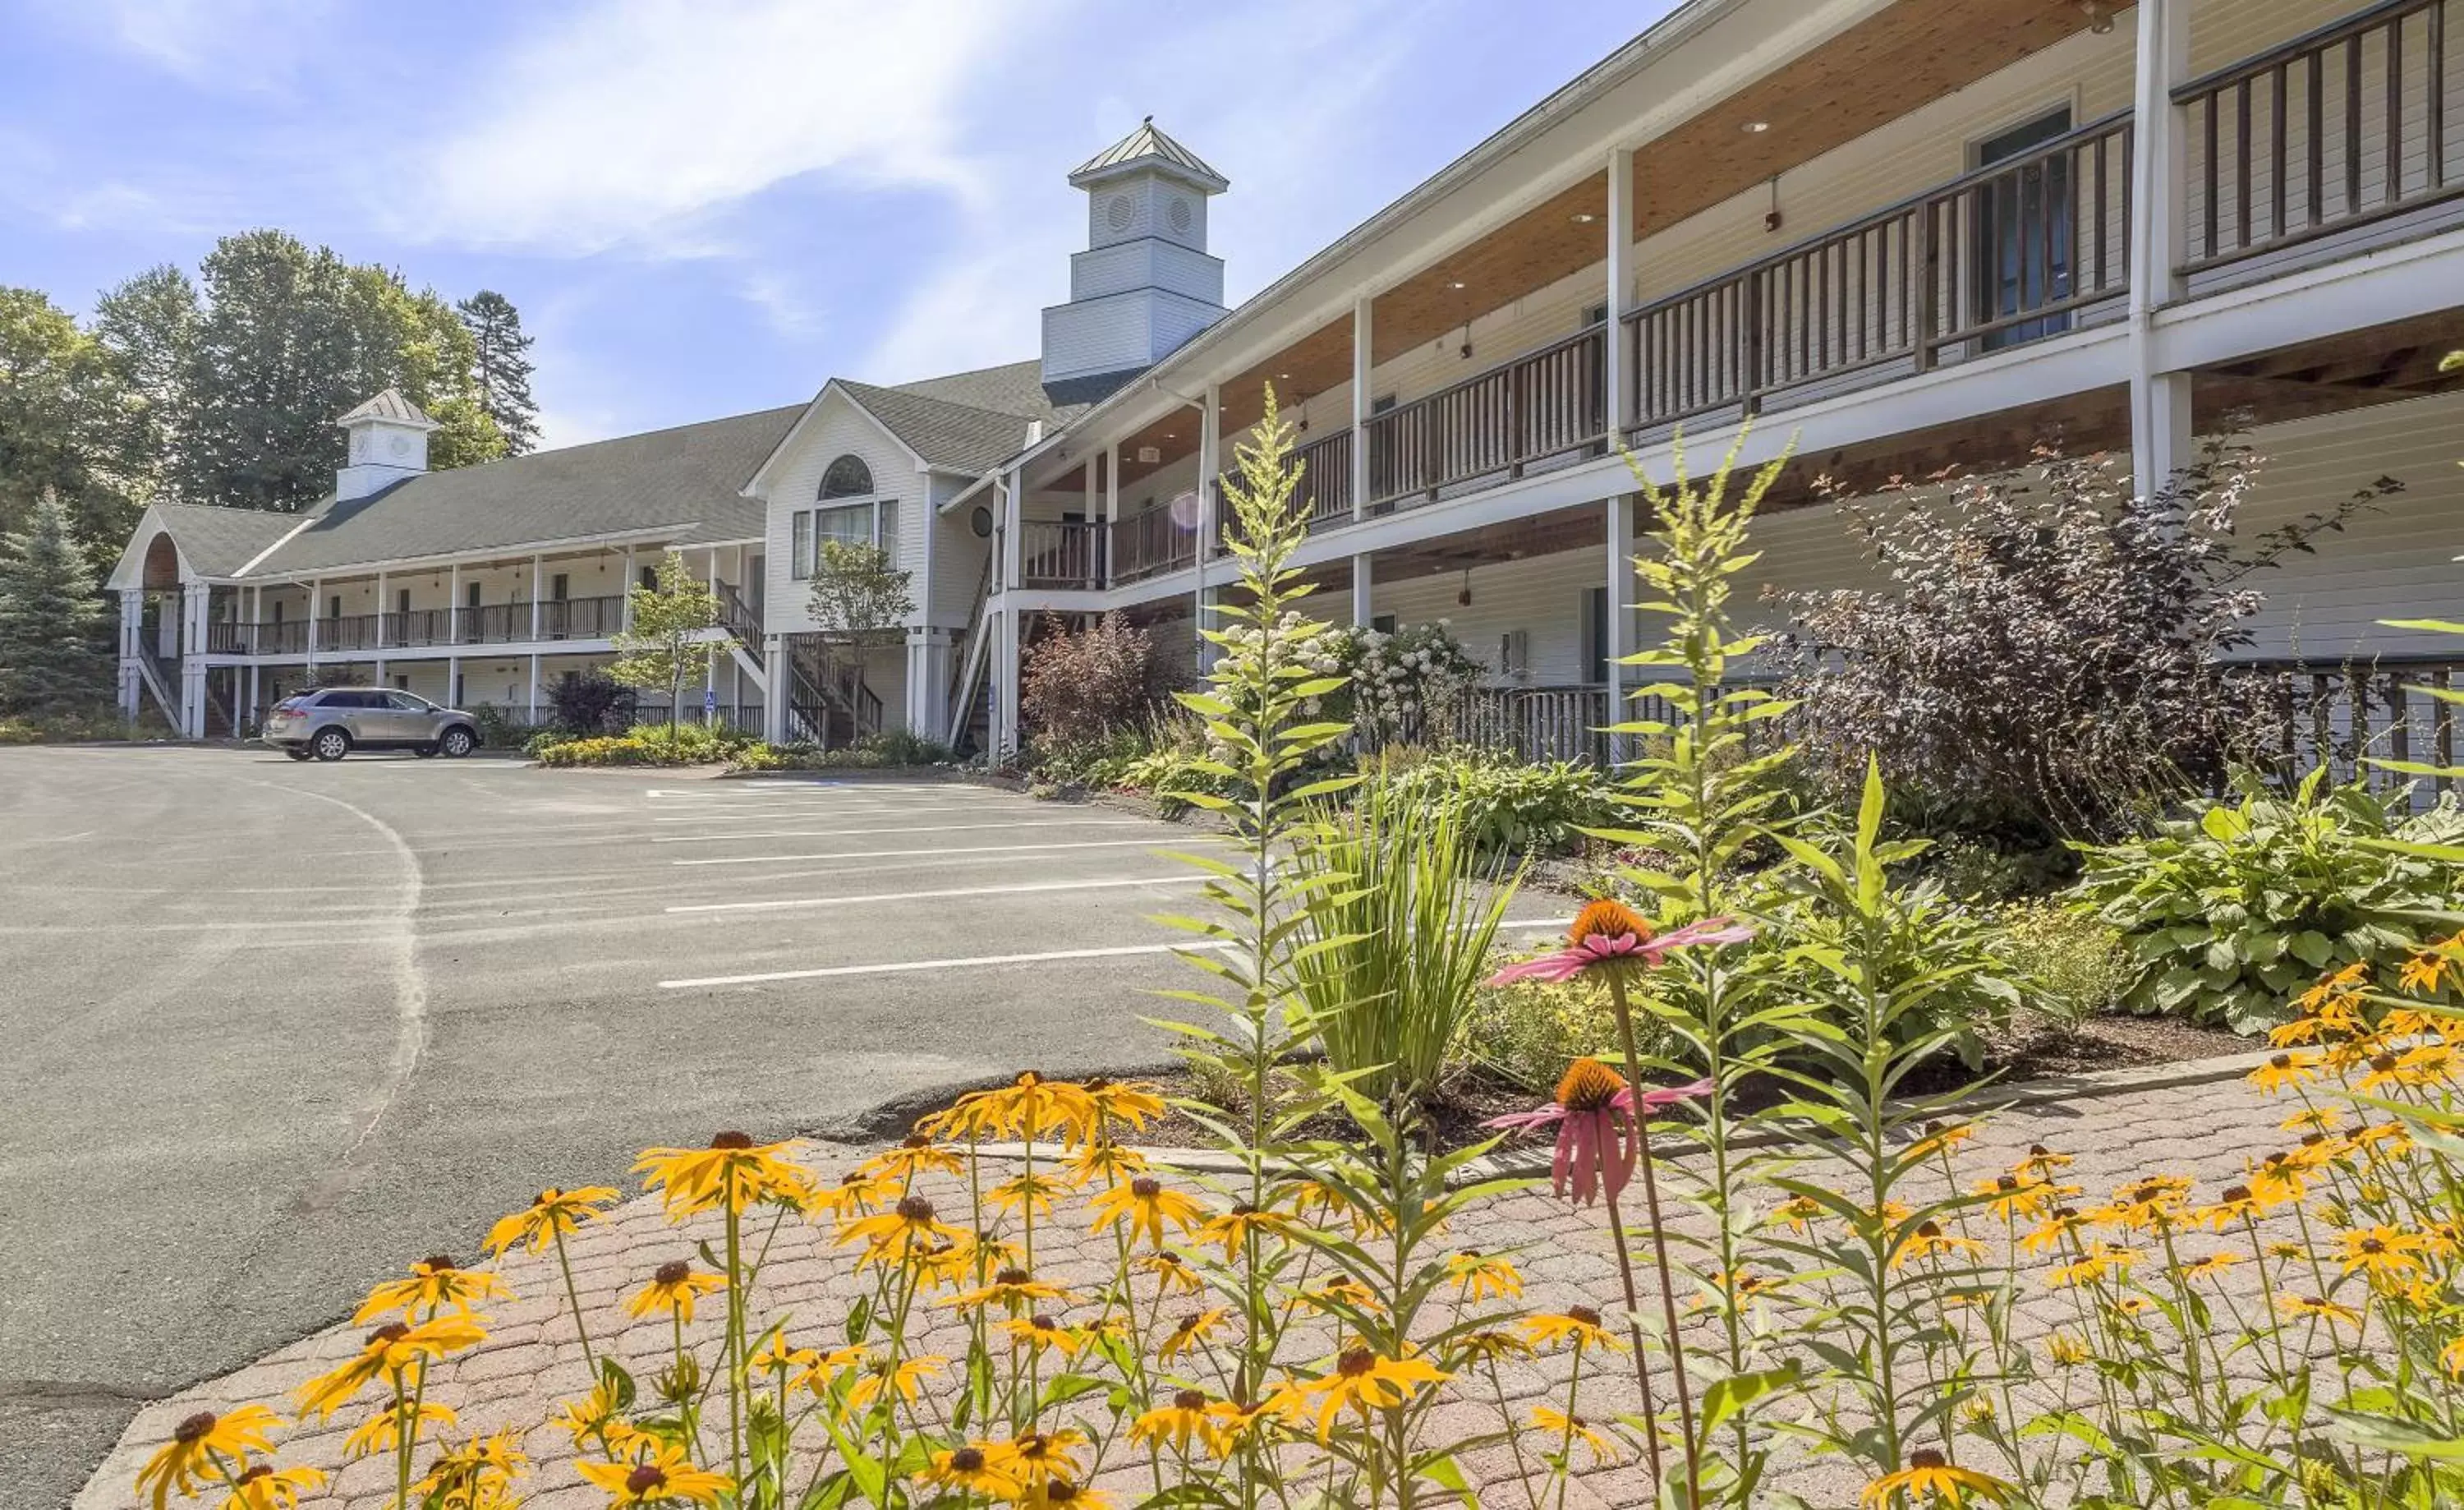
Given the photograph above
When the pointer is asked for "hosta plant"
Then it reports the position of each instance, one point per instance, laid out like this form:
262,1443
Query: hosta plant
2230,911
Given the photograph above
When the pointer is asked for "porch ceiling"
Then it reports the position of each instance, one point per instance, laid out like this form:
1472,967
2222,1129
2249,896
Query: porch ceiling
1893,62
2380,366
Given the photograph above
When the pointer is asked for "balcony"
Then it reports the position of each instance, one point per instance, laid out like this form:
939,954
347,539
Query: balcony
420,629
2328,144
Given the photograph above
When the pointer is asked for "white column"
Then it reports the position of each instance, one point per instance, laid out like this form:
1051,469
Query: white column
1003,686
773,697
194,599
625,613
1364,595
535,627
252,689
132,618
1617,374
928,681
2160,401
1618,609
1208,505
1363,370
315,608
452,681
453,615
382,613
532,716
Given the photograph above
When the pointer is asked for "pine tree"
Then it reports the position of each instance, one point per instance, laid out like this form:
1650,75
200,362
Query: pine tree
55,654
504,369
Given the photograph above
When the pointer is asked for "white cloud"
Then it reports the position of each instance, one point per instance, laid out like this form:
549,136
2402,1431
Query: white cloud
1233,91
621,124
236,46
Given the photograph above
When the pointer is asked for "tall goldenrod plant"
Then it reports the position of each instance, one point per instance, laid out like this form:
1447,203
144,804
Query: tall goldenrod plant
1707,788
1259,738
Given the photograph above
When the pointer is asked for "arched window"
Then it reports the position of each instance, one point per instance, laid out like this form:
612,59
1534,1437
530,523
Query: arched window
847,478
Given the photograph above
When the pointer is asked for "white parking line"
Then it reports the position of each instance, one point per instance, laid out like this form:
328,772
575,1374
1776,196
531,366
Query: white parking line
982,848
768,812
909,966
928,828
788,904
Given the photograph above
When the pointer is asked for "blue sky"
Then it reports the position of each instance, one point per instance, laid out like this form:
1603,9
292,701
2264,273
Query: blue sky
703,207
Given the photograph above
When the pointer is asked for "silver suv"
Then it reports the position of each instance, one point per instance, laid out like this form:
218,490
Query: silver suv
332,722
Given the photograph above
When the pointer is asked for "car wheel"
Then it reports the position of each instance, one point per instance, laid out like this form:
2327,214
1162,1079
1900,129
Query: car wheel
457,743
424,751
295,752
331,745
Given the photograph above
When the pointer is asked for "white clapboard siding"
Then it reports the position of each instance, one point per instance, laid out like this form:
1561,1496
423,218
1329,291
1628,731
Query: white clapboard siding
840,429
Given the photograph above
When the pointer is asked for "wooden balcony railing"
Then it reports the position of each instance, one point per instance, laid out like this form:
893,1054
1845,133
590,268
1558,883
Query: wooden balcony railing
419,627
2001,256
579,619
1546,403
741,619
2329,132
1153,542
1061,553
496,624
1326,479
350,631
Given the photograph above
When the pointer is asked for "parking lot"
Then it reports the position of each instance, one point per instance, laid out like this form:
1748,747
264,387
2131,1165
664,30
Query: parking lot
275,1030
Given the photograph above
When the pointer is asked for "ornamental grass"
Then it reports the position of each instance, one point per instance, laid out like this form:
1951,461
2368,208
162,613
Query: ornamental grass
1025,1309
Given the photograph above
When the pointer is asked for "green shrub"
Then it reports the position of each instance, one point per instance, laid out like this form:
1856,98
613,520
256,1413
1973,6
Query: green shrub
75,727
905,748
1530,1031
654,745
2230,913
890,748
1394,942
2069,962
501,730
1503,804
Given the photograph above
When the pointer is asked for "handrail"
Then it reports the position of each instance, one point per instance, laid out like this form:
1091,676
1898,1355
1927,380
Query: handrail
1061,553
2260,64
1874,219
1547,402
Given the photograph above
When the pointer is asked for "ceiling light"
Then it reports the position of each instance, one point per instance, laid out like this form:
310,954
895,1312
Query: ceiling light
1284,376
1584,217
1756,128
2099,17
1457,284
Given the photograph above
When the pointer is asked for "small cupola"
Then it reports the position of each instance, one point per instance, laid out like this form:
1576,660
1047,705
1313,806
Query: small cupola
1145,284
388,443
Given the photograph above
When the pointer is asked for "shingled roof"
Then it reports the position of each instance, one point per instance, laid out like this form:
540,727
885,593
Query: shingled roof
686,479
217,542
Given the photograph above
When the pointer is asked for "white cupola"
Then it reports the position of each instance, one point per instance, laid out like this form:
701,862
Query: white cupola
1145,284
388,443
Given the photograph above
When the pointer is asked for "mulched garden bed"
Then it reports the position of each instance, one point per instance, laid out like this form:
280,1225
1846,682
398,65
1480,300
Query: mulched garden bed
2026,1054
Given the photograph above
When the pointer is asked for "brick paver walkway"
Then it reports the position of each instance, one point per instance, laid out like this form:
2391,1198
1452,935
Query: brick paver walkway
2212,1130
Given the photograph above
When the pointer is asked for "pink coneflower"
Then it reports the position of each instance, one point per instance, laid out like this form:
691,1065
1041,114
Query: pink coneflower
1598,1141
1608,932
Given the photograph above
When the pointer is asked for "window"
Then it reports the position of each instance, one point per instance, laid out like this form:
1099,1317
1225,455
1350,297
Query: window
470,595
800,547
873,523
1379,405
1383,623
1595,315
885,528
403,700
2024,231
401,601
650,578
849,524
334,606
278,611
556,586
847,478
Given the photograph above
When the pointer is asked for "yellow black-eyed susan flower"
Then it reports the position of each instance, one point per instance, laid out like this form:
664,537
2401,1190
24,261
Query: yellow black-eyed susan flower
1576,1325
660,1474
673,1288
1479,1275
1571,1429
731,1173
1188,1418
970,1470
1931,1479
1364,1381
389,1352
435,1284
1145,1204
553,1213
184,1461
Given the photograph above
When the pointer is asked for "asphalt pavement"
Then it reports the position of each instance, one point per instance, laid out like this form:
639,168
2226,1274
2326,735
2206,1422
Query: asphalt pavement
270,1030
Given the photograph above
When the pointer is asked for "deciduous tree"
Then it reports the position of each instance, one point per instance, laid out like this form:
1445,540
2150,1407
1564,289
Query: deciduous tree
859,600
661,648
